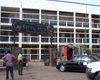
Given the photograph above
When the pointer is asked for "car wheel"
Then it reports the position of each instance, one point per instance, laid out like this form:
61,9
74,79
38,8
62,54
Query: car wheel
62,68
97,77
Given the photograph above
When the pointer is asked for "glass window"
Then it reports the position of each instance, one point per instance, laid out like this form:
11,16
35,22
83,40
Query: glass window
77,59
85,58
93,58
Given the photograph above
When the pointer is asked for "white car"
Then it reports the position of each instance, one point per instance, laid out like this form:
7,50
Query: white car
93,70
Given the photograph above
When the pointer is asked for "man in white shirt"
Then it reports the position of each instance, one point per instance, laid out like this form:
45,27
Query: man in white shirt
20,64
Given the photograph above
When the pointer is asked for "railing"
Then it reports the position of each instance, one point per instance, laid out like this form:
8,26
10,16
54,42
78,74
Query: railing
31,15
31,20
96,25
10,12
66,23
5,38
36,39
82,40
30,39
95,40
8,38
52,22
71,24
49,16
48,39
66,40
7,19
95,48
82,24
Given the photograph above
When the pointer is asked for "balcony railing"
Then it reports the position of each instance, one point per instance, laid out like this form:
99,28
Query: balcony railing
7,19
53,22
31,20
8,38
95,40
48,39
66,40
96,25
82,24
30,39
36,39
66,23
82,40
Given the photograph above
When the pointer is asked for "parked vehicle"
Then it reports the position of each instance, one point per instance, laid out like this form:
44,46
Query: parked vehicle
78,63
2,63
93,70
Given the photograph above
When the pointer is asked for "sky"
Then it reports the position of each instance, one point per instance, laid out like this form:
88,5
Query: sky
94,2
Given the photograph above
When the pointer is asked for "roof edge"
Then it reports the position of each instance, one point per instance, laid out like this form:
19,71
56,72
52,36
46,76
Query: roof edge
74,2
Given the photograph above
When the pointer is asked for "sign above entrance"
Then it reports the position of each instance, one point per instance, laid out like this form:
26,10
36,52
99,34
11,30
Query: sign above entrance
31,27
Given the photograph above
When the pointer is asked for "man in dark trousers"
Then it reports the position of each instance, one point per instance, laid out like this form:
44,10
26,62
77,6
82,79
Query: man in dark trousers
8,58
20,64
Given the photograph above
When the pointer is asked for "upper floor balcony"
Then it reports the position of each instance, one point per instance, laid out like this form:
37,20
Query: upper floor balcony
7,20
82,40
34,39
82,24
95,40
96,25
8,38
54,22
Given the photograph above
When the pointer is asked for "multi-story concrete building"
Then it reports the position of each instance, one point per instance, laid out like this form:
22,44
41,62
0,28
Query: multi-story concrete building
74,23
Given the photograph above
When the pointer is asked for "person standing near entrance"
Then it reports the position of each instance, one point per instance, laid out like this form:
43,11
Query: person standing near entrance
20,64
8,58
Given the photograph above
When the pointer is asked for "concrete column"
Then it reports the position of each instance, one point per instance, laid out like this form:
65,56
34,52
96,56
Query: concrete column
39,36
90,32
20,34
20,40
40,16
0,22
0,19
39,47
74,28
0,16
58,30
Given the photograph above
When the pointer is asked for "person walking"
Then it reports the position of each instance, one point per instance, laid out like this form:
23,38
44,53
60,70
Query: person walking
27,63
20,64
9,58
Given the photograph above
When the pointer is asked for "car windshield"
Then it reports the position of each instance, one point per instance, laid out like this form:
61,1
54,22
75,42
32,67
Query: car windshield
76,59
84,58
93,58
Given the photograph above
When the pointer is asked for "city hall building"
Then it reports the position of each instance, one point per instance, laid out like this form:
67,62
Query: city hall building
75,24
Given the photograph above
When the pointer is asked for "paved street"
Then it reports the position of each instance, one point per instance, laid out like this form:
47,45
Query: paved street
37,71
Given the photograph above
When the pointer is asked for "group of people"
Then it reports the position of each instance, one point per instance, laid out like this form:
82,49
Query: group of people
9,58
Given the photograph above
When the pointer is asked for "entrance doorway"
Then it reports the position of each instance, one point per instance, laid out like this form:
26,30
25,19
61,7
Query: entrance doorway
70,53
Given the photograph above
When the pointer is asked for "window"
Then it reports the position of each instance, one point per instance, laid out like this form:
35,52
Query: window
85,59
77,59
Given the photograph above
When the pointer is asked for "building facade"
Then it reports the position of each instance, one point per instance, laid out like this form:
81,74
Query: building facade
77,24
